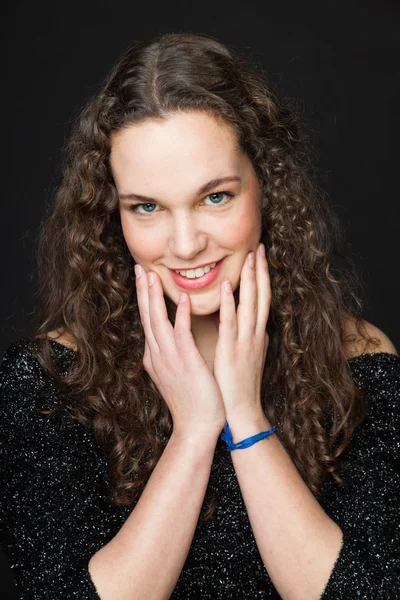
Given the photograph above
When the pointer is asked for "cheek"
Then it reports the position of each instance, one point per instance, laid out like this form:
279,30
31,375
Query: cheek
243,231
247,230
129,236
136,241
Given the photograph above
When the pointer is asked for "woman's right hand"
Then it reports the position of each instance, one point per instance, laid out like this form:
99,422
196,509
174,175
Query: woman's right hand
176,366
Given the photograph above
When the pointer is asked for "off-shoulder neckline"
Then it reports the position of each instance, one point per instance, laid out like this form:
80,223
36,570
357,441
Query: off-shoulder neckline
373,354
353,358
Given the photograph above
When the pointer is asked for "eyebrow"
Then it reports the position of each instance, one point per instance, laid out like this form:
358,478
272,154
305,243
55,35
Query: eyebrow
202,190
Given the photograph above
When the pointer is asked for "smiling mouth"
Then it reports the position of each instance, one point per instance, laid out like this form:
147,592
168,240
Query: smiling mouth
198,276
194,283
199,266
215,264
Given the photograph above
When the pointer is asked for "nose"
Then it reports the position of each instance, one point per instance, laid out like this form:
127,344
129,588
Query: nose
187,241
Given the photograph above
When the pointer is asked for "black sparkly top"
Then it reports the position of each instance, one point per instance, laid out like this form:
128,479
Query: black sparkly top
54,514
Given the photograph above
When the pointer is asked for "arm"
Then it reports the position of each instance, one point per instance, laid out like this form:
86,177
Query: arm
296,537
55,518
368,508
146,557
48,508
297,540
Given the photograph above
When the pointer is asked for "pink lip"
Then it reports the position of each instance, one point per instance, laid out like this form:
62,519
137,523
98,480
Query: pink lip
199,282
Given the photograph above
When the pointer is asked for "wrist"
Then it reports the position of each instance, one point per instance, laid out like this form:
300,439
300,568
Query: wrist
196,450
194,437
247,424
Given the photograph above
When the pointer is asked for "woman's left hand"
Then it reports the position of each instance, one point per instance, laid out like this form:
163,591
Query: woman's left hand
243,340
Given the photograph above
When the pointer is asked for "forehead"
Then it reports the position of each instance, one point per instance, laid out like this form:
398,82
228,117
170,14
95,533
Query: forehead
185,146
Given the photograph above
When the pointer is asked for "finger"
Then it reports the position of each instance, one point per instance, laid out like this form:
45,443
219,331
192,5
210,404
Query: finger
184,339
160,325
227,330
147,360
182,319
264,292
247,309
143,305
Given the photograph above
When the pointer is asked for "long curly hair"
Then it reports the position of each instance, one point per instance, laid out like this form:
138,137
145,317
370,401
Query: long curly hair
86,271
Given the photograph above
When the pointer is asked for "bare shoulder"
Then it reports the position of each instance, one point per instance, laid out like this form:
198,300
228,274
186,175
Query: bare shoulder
63,338
356,345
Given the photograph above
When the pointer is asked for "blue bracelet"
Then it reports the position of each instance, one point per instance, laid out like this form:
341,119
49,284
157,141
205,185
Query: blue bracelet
227,437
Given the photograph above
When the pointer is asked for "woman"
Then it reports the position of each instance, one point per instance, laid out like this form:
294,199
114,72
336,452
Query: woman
119,423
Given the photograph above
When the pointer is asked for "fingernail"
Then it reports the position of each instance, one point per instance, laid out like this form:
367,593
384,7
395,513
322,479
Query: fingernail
262,250
182,298
151,278
250,259
138,271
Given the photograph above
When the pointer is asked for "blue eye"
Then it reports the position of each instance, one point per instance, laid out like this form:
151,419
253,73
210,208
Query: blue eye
134,207
220,194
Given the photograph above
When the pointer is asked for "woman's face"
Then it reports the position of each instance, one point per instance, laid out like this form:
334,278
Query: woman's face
178,226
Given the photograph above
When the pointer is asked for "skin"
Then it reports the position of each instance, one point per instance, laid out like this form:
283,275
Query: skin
168,161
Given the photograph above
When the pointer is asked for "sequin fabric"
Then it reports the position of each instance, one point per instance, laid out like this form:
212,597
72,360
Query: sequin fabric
54,514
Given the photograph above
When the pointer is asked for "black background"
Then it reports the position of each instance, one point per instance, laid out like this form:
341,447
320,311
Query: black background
338,62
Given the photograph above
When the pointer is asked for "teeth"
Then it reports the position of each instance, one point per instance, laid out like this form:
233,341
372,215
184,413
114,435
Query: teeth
194,273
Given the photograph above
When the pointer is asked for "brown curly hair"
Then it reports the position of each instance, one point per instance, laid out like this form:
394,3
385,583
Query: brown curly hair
86,272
